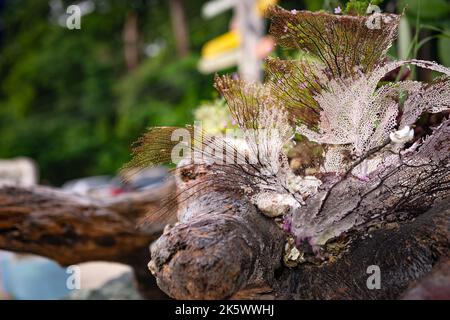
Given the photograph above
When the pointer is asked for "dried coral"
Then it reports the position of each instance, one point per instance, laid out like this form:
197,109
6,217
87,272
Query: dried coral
372,164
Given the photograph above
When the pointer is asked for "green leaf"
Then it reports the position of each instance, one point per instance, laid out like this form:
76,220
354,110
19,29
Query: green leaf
444,49
404,39
428,10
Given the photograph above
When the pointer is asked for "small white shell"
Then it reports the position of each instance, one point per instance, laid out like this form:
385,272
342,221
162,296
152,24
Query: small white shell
402,136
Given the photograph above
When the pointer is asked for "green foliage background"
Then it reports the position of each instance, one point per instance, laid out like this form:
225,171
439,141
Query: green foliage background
66,98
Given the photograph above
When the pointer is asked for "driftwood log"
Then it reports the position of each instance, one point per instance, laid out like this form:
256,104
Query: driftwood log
72,229
223,248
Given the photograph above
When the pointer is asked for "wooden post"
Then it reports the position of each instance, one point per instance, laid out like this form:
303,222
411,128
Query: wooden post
251,27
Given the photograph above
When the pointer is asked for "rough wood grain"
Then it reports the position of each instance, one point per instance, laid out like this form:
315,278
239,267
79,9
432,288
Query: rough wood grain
73,229
223,248
404,254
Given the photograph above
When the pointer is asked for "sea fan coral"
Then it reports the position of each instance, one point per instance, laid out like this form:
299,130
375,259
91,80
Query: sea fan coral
373,166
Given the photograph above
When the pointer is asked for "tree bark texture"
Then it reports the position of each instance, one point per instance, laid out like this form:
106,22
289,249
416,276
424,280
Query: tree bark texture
224,248
73,229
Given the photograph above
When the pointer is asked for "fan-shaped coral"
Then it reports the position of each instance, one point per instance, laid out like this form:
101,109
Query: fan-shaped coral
373,167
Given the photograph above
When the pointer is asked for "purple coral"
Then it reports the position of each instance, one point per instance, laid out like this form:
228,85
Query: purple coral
287,223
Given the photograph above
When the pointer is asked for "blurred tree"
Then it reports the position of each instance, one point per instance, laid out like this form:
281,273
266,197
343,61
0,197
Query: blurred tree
180,27
131,40
74,100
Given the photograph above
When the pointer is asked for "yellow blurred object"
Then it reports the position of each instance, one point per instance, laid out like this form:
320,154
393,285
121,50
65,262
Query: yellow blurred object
225,51
263,5
224,43
219,62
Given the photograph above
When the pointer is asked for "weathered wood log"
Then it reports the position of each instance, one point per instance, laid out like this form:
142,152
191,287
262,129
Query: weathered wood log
217,246
214,255
223,248
404,253
73,229
435,286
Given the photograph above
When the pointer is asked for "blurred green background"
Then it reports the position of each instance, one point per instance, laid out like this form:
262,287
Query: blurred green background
75,100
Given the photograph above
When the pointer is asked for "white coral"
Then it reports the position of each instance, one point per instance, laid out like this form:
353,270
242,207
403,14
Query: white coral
357,116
